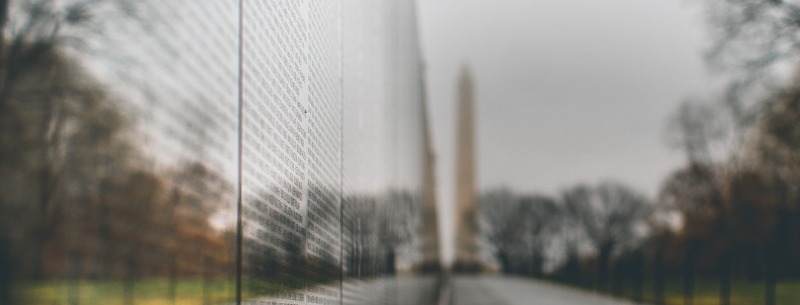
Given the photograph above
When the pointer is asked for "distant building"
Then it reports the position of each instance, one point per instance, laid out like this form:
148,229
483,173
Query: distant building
466,217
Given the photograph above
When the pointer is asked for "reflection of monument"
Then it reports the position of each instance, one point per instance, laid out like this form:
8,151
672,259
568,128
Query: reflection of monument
430,225
466,222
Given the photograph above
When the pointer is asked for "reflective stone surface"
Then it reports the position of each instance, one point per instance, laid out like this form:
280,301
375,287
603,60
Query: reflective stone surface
211,152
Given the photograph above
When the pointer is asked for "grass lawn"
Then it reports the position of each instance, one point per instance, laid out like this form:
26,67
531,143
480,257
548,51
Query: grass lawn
147,292
706,292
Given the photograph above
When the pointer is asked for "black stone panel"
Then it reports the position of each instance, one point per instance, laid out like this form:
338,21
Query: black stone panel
211,152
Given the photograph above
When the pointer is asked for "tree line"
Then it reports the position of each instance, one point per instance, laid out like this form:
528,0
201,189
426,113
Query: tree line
376,230
78,200
729,213
579,236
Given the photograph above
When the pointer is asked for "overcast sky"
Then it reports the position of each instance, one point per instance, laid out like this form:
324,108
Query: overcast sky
568,91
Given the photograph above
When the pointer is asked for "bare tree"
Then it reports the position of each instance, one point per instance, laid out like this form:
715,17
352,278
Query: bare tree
62,134
751,37
397,225
778,150
502,225
711,134
32,29
611,216
541,213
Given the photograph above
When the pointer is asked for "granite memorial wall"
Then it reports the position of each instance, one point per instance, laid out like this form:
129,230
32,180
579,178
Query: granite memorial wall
211,152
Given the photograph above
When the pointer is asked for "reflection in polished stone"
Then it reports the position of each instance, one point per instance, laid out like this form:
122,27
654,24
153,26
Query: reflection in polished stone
128,129
118,175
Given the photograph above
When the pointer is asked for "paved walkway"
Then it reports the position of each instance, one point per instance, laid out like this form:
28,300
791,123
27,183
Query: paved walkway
400,290
498,290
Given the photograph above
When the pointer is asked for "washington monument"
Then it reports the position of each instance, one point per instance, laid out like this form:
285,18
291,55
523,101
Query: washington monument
466,222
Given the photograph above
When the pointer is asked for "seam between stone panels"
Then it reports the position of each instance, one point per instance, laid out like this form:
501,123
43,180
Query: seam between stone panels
239,204
341,152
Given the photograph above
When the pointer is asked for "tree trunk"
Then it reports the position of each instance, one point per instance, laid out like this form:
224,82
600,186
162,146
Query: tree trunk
206,281
47,197
725,277
6,272
660,277
505,264
131,276
172,289
637,278
769,281
73,289
391,265
688,274
42,229
537,265
775,255
618,278
603,258
753,264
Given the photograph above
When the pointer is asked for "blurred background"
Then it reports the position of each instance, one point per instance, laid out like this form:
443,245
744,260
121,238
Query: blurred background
399,152
638,149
